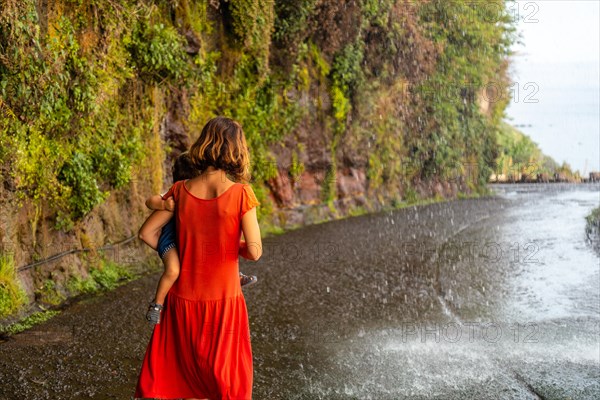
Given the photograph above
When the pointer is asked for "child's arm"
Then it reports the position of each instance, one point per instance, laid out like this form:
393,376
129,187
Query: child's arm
150,231
157,203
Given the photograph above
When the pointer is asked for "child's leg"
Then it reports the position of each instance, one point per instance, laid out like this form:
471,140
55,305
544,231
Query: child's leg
168,278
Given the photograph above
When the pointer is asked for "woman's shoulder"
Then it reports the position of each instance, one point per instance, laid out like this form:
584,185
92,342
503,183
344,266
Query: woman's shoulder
246,188
249,199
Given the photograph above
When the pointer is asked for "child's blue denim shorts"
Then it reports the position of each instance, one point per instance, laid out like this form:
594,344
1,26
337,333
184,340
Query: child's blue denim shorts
166,241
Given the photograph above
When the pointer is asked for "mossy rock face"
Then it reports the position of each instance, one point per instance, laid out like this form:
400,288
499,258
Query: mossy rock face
104,87
49,294
12,295
28,322
98,101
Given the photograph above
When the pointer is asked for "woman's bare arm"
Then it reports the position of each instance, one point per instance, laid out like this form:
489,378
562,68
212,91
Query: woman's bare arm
251,246
150,230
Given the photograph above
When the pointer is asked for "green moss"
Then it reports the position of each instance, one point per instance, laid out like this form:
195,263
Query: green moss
291,18
341,107
157,50
84,93
49,294
329,185
252,22
69,138
12,295
109,275
273,230
347,71
297,167
198,18
28,322
304,78
106,276
416,201
255,102
319,61
76,285
84,193
357,210
375,170
411,196
376,12
347,77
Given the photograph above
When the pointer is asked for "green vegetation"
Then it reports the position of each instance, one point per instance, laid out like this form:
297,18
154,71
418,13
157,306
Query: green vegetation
594,217
78,91
475,45
95,96
48,293
29,322
593,226
77,285
520,157
12,295
109,275
62,129
347,77
252,22
411,196
157,52
106,276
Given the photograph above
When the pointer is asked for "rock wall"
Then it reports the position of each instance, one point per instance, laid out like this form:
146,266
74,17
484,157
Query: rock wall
348,107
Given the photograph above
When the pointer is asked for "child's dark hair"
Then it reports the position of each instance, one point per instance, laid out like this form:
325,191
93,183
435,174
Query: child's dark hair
222,144
183,168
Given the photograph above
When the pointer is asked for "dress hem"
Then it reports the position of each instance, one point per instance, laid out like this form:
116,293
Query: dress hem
163,397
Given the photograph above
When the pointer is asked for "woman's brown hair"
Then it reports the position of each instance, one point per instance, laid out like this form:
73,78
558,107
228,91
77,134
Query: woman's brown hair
222,144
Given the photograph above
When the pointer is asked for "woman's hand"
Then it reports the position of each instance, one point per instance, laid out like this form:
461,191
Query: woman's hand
243,248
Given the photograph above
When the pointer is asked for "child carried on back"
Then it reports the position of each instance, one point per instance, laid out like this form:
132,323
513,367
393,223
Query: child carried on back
163,240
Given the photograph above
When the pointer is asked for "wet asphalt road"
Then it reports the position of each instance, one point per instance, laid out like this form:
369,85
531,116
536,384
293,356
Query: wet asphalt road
494,298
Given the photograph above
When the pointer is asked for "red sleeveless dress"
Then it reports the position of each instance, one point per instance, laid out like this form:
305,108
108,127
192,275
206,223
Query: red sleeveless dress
201,348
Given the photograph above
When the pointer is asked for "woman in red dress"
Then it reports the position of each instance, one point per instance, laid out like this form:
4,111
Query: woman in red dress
201,348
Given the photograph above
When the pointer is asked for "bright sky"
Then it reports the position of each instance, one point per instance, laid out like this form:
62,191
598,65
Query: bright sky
559,30
560,55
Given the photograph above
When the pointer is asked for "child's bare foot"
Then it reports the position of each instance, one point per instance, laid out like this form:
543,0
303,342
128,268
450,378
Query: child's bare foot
247,280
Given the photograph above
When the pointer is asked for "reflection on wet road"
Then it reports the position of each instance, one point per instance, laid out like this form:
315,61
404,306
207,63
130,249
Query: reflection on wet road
474,299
